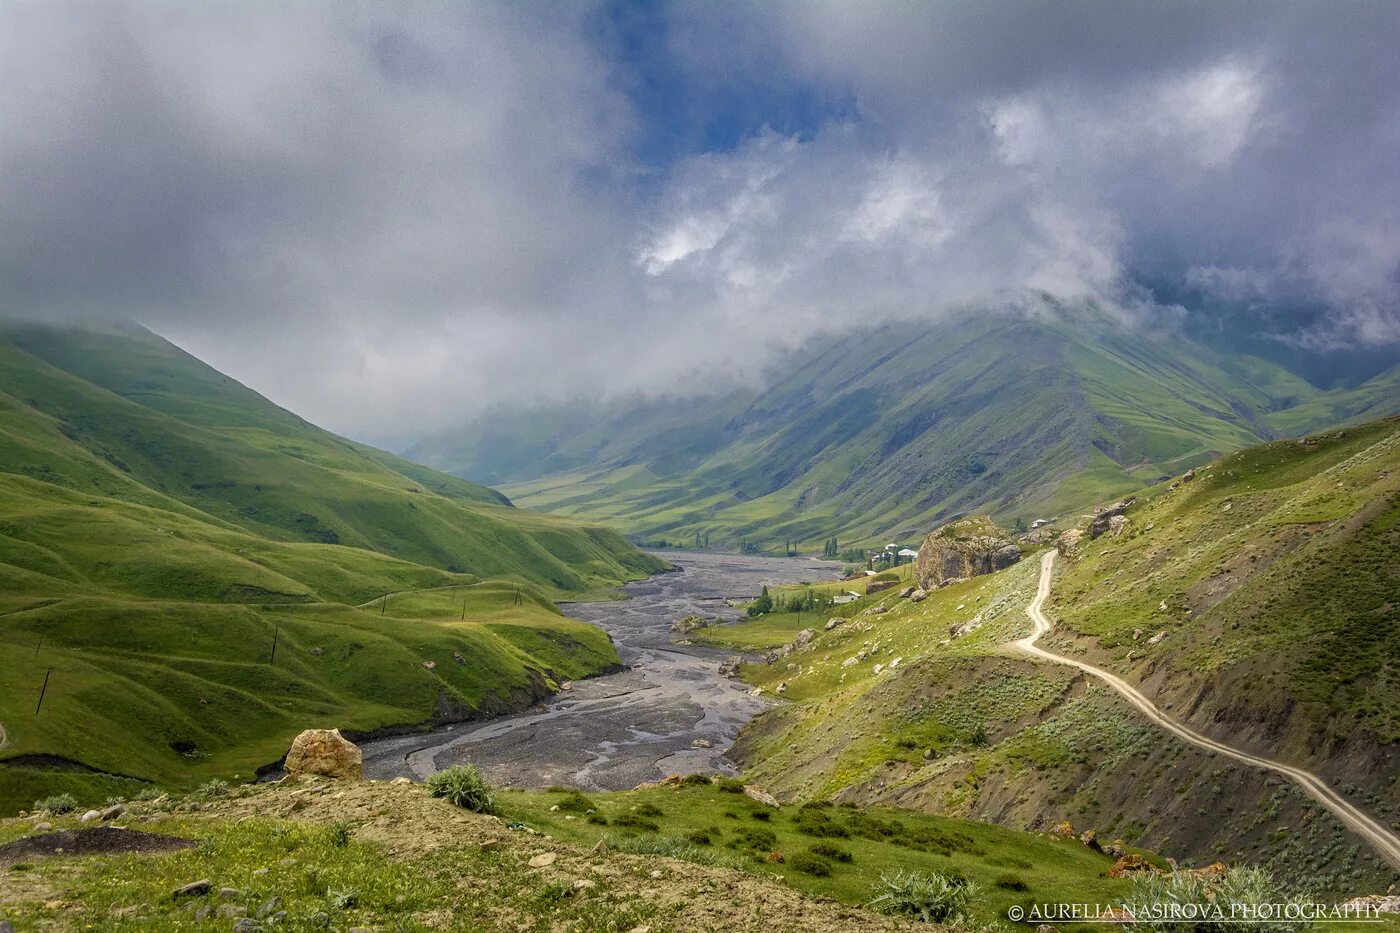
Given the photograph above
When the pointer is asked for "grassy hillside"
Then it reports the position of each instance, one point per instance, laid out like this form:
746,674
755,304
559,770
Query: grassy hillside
1267,589
888,432
923,705
161,526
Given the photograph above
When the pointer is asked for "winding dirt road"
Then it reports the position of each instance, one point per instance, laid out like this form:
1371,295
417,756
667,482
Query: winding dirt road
1385,842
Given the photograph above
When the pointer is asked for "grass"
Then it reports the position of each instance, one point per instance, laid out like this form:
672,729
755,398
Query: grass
162,528
841,855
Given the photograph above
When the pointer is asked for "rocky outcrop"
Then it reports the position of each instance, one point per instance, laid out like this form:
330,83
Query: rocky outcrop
876,586
1068,543
966,548
325,752
1103,519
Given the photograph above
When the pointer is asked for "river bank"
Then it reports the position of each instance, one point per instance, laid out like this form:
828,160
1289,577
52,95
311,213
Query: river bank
669,712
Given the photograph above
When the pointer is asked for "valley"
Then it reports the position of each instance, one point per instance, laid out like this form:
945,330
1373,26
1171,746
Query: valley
670,712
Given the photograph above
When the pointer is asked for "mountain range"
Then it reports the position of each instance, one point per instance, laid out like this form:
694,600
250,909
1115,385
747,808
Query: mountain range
887,432
189,574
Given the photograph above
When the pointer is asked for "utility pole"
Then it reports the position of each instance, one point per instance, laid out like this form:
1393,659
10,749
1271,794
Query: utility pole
43,690
276,631
38,646
464,608
384,606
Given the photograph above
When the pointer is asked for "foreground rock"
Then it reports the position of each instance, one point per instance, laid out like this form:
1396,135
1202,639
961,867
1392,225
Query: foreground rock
965,548
325,752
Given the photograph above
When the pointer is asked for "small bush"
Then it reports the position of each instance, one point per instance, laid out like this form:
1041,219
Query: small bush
756,838
731,785
148,793
697,780
463,786
810,864
818,822
701,837
58,803
930,897
763,816
637,822
576,802
1010,882
833,852
671,847
213,788
649,809
338,834
597,819
1239,885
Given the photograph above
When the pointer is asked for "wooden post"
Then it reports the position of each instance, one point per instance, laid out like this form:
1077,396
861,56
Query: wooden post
384,606
276,631
38,646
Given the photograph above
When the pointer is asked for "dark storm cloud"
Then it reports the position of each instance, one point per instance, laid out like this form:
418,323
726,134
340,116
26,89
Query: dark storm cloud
387,216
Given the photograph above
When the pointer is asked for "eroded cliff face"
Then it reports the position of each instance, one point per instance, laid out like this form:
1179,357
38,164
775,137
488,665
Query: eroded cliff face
965,548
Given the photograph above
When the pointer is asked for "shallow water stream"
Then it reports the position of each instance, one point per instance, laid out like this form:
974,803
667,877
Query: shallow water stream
617,731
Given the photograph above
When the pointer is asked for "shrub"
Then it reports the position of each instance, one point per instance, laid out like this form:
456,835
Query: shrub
831,851
1239,885
930,897
763,816
637,822
464,786
58,803
701,837
818,822
697,780
148,793
338,834
731,785
212,788
1010,882
754,837
671,847
810,864
576,802
649,809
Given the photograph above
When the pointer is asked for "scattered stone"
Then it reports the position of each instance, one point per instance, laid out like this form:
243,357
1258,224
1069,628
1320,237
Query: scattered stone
656,873
230,911
876,586
1090,838
112,812
230,894
6,927
260,872
286,863
318,651
430,665
401,782
600,847
202,914
1046,928
247,925
488,845
92,816
1227,507
907,592
700,743
1156,638
833,623
270,908
1117,524
729,667
42,827
754,792
457,656
1374,903
918,596
1189,475
195,888
894,664
1128,864
543,860
583,884
803,639
325,752
848,662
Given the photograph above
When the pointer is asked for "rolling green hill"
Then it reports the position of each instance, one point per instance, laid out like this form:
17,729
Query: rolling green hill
884,433
161,526
1279,634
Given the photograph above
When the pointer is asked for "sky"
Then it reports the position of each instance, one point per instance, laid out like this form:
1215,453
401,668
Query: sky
391,217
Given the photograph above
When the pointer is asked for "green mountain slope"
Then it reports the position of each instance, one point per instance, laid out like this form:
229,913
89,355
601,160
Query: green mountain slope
161,526
1280,634
887,432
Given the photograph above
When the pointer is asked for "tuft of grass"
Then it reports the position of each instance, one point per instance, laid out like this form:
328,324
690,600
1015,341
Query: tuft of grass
809,863
931,897
58,803
463,786
214,787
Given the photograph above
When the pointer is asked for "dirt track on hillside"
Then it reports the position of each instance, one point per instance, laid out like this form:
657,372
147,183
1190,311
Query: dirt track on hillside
1385,842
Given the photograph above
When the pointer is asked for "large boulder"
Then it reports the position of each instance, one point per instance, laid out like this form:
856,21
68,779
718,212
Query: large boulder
1068,543
325,752
1103,518
965,548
